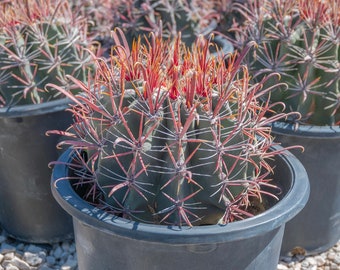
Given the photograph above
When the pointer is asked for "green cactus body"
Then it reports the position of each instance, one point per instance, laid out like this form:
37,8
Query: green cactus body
137,154
12,67
175,18
219,158
329,82
175,179
157,181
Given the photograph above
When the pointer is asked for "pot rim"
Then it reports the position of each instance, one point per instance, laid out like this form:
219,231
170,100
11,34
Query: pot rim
276,216
310,131
35,109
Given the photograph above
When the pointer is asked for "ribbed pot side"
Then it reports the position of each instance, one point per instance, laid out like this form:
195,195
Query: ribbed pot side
317,227
105,241
28,211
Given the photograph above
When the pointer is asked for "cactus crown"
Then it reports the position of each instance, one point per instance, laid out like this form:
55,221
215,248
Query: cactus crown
40,42
171,135
300,41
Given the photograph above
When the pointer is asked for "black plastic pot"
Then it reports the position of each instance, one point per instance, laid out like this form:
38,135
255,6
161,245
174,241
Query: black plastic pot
317,227
104,241
28,211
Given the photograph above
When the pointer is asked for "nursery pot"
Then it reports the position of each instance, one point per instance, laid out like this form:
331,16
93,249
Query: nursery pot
317,227
28,211
105,241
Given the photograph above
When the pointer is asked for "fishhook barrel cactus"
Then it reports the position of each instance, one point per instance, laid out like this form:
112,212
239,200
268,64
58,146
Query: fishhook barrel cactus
169,135
40,42
300,41
165,17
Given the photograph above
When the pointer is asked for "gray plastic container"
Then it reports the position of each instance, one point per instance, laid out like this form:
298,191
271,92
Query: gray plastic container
317,227
28,211
105,241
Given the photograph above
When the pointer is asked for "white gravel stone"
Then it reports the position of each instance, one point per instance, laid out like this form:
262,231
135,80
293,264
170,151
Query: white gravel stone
72,248
50,260
64,256
45,267
6,248
320,260
65,246
335,266
304,264
22,265
33,248
311,260
69,265
337,248
296,266
32,259
337,259
331,255
20,247
9,256
282,267
58,252
11,267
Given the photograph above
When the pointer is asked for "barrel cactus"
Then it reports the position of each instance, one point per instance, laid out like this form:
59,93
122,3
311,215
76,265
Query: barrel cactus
103,15
169,135
40,42
191,18
300,41
167,17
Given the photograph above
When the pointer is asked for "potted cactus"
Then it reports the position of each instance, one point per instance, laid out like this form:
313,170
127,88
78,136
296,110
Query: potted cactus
170,162
40,42
300,41
165,17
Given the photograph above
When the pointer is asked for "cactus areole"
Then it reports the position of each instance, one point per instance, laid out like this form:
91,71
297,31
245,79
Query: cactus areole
168,135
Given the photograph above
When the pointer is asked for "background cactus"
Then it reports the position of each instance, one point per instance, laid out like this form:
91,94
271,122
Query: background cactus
103,15
172,136
191,18
41,41
229,18
166,17
300,41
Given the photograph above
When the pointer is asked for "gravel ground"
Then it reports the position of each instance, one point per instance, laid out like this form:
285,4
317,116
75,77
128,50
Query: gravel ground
329,260
15,255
